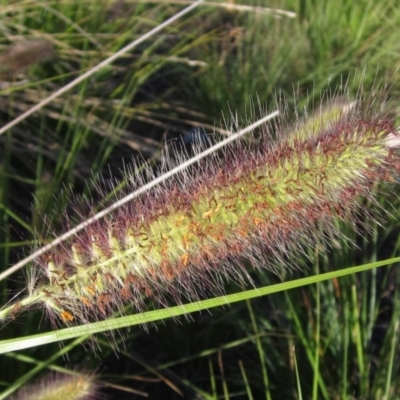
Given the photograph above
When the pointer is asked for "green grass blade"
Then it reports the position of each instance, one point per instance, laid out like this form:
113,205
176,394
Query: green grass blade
157,315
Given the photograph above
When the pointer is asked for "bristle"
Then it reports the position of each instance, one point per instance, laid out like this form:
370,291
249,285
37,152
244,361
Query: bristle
260,201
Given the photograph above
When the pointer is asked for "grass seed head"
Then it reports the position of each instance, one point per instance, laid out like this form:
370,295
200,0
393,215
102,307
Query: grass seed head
61,387
261,201
20,56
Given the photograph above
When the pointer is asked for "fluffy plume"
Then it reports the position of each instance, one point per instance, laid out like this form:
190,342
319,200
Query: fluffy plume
260,201
60,387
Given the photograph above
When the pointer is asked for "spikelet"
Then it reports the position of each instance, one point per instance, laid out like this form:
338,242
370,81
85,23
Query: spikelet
260,201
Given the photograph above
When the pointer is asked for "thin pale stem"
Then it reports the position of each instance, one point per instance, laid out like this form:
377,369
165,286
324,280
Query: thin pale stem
104,63
136,193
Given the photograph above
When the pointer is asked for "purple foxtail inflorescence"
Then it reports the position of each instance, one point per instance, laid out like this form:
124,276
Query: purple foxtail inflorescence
261,200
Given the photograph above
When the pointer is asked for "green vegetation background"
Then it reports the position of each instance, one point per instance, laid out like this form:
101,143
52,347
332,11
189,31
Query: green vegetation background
211,69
